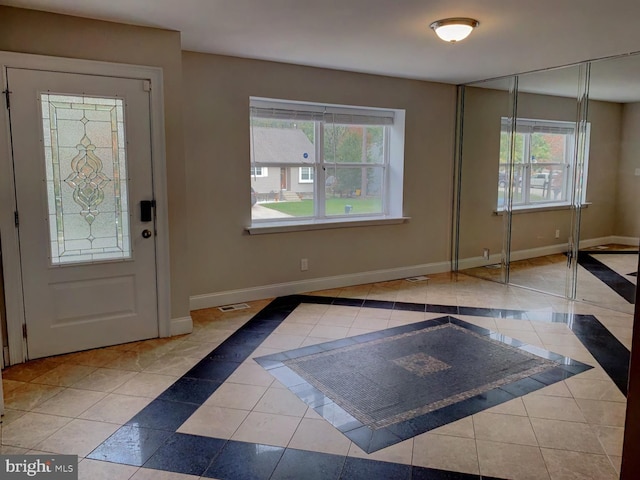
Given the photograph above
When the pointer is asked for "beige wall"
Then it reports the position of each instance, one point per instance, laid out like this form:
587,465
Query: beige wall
223,256
480,227
628,211
30,31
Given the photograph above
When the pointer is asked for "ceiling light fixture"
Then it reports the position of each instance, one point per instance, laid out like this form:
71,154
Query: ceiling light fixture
453,30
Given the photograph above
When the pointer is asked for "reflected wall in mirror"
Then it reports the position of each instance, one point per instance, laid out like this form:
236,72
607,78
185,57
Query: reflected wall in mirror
610,230
524,139
482,185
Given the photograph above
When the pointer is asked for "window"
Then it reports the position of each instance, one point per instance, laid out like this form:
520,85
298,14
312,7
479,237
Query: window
543,163
325,163
259,172
306,175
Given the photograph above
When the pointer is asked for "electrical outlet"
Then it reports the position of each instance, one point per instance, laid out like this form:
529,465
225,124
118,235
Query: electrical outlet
558,233
485,254
304,264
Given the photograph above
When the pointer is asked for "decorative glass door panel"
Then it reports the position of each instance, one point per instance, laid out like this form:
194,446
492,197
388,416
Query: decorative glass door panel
86,174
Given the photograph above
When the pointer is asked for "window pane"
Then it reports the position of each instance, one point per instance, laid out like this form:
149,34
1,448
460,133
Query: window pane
86,178
354,190
278,188
353,143
548,147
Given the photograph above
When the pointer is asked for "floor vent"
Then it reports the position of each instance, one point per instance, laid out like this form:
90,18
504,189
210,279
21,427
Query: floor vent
235,306
421,278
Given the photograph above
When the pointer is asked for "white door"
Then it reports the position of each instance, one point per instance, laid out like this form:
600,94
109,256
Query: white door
82,163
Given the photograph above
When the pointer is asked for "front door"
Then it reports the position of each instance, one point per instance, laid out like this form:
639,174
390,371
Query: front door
82,165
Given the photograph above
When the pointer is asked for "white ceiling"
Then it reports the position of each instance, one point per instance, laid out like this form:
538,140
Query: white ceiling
389,37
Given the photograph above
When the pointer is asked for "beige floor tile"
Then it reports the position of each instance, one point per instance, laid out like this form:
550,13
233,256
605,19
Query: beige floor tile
564,465
133,361
10,416
316,340
214,422
104,380
367,314
577,437
558,389
611,439
459,428
29,395
445,452
70,402
9,450
189,348
146,385
299,329
595,389
504,428
236,395
249,374
96,470
329,332
598,412
115,408
92,358
616,462
362,322
319,436
64,375
283,341
512,407
267,428
401,452
555,408
25,372
515,462
281,402
524,336
8,385
31,429
170,364
78,437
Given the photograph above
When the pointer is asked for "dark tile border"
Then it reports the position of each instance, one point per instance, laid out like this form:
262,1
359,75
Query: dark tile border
607,350
616,282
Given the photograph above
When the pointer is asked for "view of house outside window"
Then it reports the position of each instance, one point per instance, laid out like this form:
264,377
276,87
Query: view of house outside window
310,162
543,162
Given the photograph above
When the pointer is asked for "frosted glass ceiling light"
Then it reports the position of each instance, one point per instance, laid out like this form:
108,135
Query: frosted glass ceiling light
454,29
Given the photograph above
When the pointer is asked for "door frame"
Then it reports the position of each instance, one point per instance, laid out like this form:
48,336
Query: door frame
8,231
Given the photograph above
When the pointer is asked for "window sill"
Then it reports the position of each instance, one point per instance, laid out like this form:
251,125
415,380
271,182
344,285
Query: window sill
541,208
282,227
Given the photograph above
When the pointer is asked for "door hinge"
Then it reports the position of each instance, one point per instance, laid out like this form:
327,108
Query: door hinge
146,85
16,218
7,97
24,330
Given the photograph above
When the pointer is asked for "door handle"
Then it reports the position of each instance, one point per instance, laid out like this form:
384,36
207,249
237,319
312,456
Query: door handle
146,234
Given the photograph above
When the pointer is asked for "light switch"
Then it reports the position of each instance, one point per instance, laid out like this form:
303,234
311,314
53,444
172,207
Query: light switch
637,172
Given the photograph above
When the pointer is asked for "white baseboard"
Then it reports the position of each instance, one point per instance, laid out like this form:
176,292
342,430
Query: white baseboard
631,241
181,326
290,288
516,255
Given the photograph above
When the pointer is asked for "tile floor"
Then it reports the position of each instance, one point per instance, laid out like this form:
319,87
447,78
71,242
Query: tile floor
158,409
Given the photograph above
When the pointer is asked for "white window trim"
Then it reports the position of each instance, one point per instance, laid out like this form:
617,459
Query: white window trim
526,125
264,171
393,170
311,174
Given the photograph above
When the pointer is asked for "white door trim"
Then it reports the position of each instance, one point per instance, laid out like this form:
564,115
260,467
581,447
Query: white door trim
8,232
